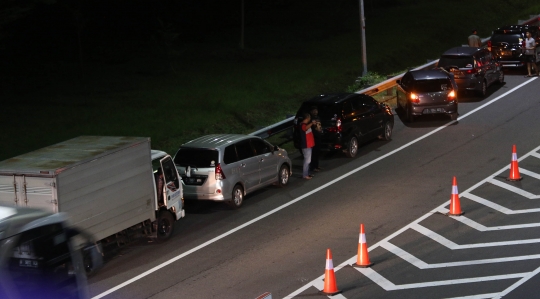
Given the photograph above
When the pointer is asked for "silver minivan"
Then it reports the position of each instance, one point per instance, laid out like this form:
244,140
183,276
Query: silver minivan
226,167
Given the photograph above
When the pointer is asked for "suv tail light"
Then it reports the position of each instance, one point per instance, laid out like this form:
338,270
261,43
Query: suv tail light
337,128
451,96
219,173
489,45
414,98
471,71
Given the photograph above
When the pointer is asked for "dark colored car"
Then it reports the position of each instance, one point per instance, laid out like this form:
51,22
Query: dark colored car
474,69
347,120
427,92
507,44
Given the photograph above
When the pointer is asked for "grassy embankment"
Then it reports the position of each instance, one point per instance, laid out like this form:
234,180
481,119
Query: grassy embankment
218,88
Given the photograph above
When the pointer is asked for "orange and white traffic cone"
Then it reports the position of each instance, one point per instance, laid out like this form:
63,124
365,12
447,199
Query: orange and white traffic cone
514,168
455,207
362,259
330,287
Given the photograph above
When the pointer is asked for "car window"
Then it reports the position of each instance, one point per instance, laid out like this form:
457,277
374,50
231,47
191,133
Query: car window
260,146
406,81
244,150
432,85
229,156
506,38
366,105
459,61
347,108
326,111
196,157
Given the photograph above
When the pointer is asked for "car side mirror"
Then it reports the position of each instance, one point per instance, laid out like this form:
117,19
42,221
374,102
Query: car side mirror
276,148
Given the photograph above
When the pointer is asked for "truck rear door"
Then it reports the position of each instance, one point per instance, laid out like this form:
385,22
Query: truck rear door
29,191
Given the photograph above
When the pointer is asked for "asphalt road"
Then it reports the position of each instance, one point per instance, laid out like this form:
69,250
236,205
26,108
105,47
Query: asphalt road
277,241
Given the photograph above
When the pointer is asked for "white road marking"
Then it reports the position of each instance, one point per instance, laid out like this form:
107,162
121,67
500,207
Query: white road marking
514,189
483,228
423,265
529,173
479,296
389,286
213,240
495,206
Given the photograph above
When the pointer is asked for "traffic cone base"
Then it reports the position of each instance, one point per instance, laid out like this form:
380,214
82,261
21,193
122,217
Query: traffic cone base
514,168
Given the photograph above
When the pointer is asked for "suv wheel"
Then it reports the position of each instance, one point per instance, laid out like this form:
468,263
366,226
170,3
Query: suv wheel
283,175
482,92
387,133
237,197
352,149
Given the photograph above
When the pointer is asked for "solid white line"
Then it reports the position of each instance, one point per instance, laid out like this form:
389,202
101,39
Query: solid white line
389,286
483,228
449,244
529,173
479,296
537,155
518,283
514,189
211,241
423,265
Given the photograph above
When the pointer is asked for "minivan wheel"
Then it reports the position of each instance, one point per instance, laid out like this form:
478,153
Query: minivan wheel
454,116
387,134
352,149
483,91
237,197
283,175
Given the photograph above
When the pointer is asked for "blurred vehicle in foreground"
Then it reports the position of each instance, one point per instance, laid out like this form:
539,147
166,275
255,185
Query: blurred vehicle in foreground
226,167
427,92
41,256
347,120
104,185
474,69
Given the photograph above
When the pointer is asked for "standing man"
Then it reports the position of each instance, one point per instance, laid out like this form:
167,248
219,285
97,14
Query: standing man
530,52
307,143
474,40
317,132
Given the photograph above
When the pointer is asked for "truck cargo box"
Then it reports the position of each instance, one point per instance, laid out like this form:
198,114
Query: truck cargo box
103,184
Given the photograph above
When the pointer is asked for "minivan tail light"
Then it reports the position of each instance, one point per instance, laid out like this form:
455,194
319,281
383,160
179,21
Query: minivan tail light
337,128
219,173
451,96
414,98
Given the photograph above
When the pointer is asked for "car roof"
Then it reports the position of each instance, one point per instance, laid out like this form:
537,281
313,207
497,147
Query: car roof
215,140
429,74
512,29
332,98
462,51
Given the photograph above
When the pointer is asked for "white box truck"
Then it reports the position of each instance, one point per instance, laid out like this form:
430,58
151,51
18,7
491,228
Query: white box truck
113,188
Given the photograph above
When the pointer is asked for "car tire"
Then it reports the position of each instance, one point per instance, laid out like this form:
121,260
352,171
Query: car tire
283,175
500,80
237,197
165,225
482,92
454,116
408,114
352,148
387,131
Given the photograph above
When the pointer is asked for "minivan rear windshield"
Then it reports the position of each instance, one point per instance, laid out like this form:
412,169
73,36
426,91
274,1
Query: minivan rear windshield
505,38
195,157
459,61
432,85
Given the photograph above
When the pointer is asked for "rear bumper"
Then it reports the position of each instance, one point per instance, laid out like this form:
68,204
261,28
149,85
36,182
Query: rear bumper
435,109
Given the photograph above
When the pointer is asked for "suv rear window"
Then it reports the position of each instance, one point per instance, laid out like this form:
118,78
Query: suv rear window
196,157
459,61
432,85
506,38
326,111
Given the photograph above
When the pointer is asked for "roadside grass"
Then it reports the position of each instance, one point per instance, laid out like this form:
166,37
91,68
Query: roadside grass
218,88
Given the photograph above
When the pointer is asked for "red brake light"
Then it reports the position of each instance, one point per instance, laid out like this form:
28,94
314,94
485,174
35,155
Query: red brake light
337,128
472,71
451,95
219,173
414,98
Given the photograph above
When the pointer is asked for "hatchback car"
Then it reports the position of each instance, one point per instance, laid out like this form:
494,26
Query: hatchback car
507,44
427,92
226,167
474,69
347,120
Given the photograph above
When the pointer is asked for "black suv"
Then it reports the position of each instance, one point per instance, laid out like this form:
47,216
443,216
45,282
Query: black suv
507,44
347,120
474,69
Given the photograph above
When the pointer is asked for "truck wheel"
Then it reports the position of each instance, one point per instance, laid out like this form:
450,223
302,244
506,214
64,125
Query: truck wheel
283,175
237,197
165,225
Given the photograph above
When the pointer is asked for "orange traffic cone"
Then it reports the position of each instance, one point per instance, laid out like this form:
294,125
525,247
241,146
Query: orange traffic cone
455,207
330,287
362,259
514,168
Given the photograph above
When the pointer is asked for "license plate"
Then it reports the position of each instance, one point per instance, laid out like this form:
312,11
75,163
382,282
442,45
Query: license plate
433,110
28,263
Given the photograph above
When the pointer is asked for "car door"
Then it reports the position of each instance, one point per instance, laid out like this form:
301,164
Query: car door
249,165
173,191
267,160
364,116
